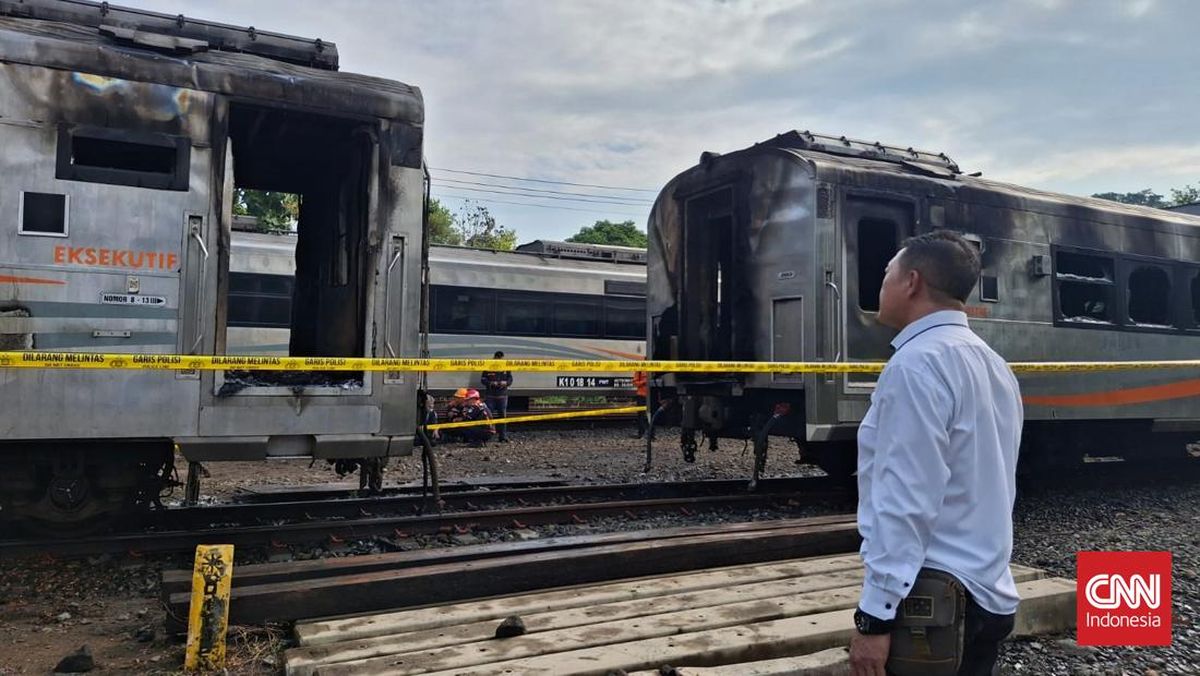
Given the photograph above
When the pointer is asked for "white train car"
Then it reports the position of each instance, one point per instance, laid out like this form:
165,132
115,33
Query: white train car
548,300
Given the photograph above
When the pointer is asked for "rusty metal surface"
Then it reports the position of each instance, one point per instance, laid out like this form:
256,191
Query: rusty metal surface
79,48
176,31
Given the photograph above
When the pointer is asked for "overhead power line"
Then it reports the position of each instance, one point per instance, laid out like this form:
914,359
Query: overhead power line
632,200
540,180
540,206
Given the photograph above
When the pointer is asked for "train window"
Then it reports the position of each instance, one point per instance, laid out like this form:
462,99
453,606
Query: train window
1083,267
260,311
620,287
459,309
624,318
251,283
1196,299
43,214
877,244
522,316
577,318
259,300
1083,303
142,159
1149,296
1085,288
989,289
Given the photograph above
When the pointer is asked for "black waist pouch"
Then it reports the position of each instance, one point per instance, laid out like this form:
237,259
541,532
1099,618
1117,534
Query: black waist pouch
927,639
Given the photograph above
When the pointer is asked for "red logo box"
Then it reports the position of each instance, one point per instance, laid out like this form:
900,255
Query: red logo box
1123,598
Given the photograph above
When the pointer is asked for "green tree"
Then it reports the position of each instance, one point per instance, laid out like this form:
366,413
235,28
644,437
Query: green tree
1188,194
275,211
441,225
624,233
1145,198
479,230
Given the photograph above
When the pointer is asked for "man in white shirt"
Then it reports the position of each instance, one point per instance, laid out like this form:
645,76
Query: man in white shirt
937,459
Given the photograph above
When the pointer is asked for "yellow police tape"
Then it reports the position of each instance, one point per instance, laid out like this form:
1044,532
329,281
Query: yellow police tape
88,360
570,415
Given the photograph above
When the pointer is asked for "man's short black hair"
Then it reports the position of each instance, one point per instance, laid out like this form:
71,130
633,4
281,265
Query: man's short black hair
498,355
948,263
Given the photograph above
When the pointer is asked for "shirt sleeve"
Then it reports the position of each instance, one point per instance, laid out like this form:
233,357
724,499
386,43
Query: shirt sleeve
908,484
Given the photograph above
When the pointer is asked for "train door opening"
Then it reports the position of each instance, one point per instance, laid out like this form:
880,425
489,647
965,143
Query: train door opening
320,307
706,297
874,230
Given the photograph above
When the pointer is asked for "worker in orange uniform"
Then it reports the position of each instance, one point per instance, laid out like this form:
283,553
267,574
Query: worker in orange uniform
454,413
476,410
641,384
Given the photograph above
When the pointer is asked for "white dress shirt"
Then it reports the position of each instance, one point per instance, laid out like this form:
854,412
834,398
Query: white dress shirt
937,457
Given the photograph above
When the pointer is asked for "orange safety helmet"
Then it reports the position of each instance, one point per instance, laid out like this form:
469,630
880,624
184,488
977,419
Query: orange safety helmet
461,393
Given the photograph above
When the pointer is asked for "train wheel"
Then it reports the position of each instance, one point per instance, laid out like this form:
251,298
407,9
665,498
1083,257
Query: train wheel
62,492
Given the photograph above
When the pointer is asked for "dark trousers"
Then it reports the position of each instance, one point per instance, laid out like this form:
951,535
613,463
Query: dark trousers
499,409
476,435
641,416
982,634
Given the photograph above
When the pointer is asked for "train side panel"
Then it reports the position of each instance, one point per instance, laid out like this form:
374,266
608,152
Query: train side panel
92,266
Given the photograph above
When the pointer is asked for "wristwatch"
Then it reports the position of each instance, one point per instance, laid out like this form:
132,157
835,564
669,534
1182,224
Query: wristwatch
870,625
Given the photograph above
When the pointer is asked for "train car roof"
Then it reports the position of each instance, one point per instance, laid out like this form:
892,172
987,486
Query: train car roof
468,255
450,255
276,70
840,154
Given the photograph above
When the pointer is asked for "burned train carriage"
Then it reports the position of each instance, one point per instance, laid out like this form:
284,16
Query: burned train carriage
124,137
777,252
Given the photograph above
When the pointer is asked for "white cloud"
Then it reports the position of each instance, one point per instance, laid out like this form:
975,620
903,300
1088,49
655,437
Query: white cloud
1075,165
1062,95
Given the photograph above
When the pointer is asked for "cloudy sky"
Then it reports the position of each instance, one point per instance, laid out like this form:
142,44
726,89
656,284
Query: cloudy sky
1074,96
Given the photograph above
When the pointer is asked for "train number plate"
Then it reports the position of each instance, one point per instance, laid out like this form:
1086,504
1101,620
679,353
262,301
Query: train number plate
131,299
594,381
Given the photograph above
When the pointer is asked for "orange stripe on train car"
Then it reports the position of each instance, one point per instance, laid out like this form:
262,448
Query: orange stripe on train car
30,280
1133,395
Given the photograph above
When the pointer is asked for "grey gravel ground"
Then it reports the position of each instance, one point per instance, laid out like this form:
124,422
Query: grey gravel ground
1053,522
1139,514
588,455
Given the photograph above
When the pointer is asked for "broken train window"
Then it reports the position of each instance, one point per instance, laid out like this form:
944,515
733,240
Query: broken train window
1149,296
123,157
1084,287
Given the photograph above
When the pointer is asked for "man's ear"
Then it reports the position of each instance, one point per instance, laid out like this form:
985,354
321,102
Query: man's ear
913,282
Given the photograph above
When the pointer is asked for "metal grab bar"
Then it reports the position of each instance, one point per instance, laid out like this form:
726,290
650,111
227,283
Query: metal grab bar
835,329
397,253
195,234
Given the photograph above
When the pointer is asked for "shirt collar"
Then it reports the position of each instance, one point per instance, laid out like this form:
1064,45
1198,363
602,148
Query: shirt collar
941,317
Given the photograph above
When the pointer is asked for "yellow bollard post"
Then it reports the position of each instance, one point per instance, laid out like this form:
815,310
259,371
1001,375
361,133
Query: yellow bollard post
208,616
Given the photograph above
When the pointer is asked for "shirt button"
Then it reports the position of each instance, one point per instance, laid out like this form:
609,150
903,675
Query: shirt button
905,584
888,606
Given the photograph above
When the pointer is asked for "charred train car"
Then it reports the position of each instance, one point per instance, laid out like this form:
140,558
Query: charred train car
123,136
777,252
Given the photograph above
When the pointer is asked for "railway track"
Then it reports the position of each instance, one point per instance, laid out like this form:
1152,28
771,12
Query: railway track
395,517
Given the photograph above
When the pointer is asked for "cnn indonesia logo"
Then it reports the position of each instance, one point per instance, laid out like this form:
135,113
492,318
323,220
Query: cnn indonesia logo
1123,598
